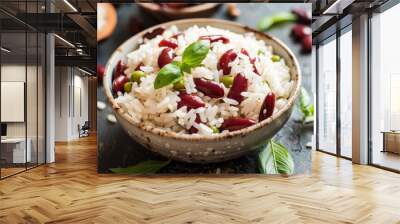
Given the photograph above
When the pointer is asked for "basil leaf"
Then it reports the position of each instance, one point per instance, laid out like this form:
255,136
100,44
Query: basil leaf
269,22
194,54
275,159
149,166
185,68
169,74
192,57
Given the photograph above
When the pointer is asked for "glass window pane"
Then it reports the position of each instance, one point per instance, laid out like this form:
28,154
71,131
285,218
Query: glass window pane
13,86
327,96
346,94
22,88
31,98
385,113
41,98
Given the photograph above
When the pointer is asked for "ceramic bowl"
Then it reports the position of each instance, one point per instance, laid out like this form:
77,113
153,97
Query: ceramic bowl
196,148
164,13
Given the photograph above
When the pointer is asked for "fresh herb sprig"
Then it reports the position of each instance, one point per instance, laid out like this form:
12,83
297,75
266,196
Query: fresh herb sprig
275,159
169,74
269,22
192,57
145,167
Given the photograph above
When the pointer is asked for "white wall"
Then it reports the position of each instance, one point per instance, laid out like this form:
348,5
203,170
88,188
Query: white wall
71,94
61,104
80,110
12,73
34,124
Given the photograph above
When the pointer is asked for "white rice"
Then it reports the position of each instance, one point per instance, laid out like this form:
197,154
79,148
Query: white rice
158,107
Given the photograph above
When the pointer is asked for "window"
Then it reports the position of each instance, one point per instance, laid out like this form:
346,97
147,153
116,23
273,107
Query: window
346,93
327,96
385,89
22,75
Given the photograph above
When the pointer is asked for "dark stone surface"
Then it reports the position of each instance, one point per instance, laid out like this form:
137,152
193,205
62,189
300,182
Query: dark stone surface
117,149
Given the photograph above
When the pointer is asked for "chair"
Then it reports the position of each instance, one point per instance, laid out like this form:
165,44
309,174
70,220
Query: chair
84,130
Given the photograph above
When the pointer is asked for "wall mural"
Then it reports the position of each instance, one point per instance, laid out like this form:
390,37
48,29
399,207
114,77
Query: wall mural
228,94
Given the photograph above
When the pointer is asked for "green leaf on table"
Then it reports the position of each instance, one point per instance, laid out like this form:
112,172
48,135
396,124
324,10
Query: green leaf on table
145,167
305,105
304,98
311,109
275,159
269,22
169,74
194,54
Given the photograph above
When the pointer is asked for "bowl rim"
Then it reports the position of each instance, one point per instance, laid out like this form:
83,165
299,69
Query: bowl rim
196,137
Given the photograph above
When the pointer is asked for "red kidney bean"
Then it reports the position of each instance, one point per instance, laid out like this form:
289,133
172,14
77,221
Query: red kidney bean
252,60
255,70
153,33
209,88
192,129
267,108
138,66
215,38
245,52
224,61
100,71
306,44
166,56
191,101
119,69
119,82
175,36
239,85
167,43
236,123
300,31
303,16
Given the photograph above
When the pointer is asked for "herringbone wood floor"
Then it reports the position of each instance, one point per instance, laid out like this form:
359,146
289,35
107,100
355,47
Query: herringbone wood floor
70,191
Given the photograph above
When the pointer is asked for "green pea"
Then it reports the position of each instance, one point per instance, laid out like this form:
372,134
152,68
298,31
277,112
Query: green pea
128,87
275,58
179,85
215,129
227,80
136,75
